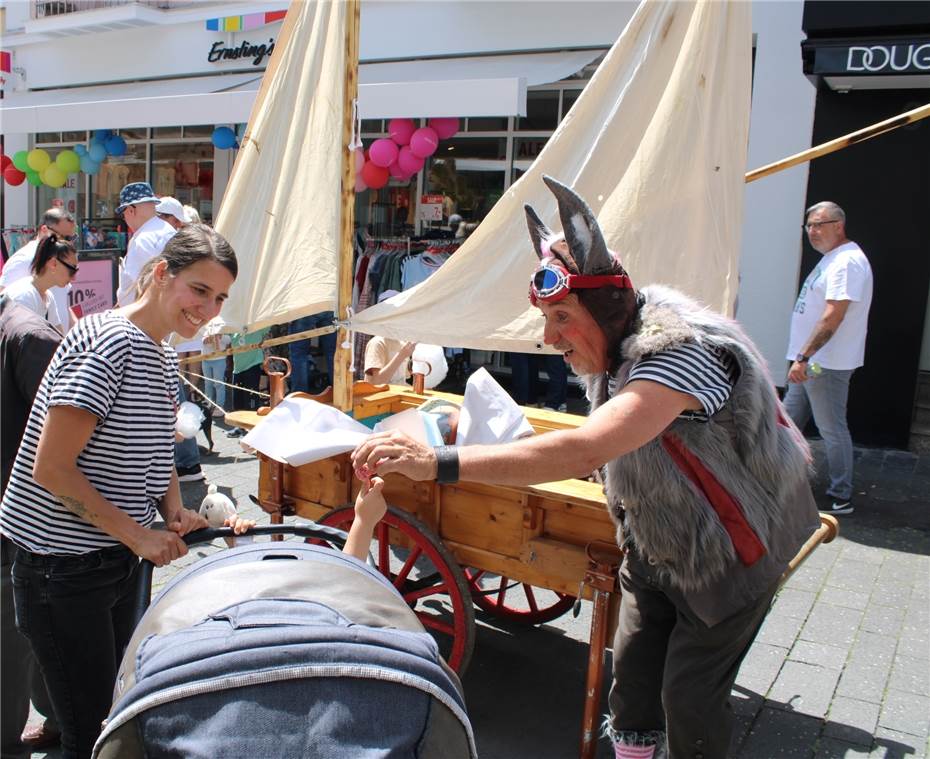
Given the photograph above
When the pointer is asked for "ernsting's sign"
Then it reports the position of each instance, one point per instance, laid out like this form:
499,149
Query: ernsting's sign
898,57
258,53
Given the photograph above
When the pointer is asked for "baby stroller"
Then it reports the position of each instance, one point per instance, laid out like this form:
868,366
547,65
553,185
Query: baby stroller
282,649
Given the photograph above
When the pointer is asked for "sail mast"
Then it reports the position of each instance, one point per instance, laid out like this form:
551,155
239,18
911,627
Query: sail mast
342,379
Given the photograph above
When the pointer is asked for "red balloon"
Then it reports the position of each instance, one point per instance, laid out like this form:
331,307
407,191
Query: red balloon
445,127
5,161
13,176
397,172
374,176
409,162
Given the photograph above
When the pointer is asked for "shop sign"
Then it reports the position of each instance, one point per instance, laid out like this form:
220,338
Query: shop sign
430,208
258,53
92,287
899,57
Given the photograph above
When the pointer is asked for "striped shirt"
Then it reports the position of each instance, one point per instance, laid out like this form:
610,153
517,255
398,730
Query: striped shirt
704,372
108,366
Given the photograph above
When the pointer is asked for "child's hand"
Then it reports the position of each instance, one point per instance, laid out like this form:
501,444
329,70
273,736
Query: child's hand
370,505
239,524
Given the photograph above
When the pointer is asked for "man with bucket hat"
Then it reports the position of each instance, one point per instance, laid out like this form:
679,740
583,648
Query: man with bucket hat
150,234
705,477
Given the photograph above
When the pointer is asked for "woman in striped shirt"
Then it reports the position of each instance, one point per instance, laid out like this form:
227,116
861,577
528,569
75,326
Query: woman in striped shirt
95,465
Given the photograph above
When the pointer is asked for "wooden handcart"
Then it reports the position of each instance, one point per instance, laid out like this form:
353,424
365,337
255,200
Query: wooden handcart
521,553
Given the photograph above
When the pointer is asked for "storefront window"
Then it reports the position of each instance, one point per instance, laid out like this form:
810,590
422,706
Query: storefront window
469,187
542,111
74,137
114,173
388,212
201,130
166,131
48,137
527,148
185,171
488,148
486,124
133,134
373,126
568,100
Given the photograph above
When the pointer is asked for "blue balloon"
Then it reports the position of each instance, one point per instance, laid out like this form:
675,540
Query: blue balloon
116,145
223,138
89,165
80,150
97,152
102,135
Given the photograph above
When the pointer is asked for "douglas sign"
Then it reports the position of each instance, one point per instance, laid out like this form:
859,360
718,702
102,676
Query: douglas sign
897,58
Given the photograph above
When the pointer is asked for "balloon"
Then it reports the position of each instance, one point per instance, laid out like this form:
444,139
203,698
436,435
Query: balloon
68,161
223,137
383,152
53,176
445,128
13,176
81,150
102,135
5,161
38,159
401,130
374,176
33,178
97,152
359,159
89,165
424,141
409,161
115,145
360,185
397,172
20,159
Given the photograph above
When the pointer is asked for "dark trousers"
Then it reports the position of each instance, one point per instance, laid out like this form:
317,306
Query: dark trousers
672,672
249,378
525,368
77,612
21,679
299,351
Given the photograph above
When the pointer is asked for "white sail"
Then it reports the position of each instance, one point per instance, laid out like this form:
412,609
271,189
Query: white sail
656,144
281,209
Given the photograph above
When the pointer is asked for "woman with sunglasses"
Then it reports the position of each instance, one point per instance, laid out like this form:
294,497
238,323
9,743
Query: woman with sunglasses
54,265
95,468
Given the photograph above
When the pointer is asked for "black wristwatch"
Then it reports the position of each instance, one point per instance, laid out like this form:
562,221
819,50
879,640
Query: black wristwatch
801,358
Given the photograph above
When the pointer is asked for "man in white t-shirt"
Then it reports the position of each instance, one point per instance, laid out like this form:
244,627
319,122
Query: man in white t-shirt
827,343
18,265
150,234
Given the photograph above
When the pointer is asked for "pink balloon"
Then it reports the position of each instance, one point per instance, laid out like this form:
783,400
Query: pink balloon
424,142
383,152
409,161
401,130
375,176
360,185
359,159
397,172
445,127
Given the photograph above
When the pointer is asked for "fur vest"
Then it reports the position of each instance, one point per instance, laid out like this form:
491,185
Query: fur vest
748,450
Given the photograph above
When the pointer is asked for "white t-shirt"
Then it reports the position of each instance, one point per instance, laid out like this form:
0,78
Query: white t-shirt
147,242
842,274
25,293
17,267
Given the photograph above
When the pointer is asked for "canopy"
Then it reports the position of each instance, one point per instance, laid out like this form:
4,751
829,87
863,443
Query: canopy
656,144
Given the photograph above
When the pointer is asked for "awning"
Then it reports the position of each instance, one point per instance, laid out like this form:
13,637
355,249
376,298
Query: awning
478,86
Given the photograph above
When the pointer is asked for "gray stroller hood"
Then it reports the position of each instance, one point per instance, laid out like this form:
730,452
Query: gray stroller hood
284,650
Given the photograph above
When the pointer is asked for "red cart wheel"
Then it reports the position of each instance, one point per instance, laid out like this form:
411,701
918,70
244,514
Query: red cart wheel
515,601
427,576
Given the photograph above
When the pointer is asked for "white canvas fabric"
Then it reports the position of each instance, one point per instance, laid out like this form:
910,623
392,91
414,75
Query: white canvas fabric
656,144
282,205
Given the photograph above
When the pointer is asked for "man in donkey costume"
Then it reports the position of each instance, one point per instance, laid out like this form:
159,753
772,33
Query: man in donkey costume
705,478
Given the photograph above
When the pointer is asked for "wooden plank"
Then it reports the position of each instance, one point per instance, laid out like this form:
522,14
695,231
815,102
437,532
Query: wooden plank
558,561
483,517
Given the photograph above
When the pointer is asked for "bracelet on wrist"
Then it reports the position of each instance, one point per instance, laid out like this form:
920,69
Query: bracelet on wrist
447,464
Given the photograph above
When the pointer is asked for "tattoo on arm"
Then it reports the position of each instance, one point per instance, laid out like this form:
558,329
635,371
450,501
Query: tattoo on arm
820,338
73,505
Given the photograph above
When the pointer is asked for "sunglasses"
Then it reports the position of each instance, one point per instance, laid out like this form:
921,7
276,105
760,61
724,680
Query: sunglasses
72,269
551,282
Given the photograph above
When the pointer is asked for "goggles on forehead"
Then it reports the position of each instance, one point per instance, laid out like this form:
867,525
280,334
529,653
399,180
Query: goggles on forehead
551,282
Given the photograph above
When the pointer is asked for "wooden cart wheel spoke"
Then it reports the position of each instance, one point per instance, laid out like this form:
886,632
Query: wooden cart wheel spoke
538,606
428,577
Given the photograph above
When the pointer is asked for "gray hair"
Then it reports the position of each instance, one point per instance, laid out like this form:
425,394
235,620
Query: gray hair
192,215
830,207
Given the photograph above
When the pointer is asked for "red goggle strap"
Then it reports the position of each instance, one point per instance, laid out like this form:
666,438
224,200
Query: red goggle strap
590,281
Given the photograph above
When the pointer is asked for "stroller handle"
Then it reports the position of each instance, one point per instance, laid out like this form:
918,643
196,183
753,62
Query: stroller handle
208,534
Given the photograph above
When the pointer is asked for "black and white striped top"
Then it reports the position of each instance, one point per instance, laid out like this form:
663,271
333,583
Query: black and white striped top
108,366
704,372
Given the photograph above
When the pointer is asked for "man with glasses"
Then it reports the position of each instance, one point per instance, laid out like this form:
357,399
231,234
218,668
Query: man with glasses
828,329
61,223
150,234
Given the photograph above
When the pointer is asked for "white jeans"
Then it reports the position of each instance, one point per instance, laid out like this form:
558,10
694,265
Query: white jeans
825,396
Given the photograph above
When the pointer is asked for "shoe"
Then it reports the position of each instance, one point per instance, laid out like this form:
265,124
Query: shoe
235,432
40,736
838,507
190,473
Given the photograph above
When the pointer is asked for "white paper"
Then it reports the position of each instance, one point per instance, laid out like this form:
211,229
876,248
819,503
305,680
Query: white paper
299,431
489,415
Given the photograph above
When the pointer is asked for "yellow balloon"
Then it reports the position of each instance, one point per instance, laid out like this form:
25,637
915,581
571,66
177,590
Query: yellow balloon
38,159
53,176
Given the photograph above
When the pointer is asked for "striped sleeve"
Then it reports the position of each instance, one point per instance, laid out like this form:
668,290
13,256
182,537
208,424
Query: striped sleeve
706,373
86,380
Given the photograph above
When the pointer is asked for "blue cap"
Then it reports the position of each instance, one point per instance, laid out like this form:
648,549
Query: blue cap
135,192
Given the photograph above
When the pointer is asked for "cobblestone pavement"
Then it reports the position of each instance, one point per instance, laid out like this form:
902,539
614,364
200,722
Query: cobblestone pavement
841,667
